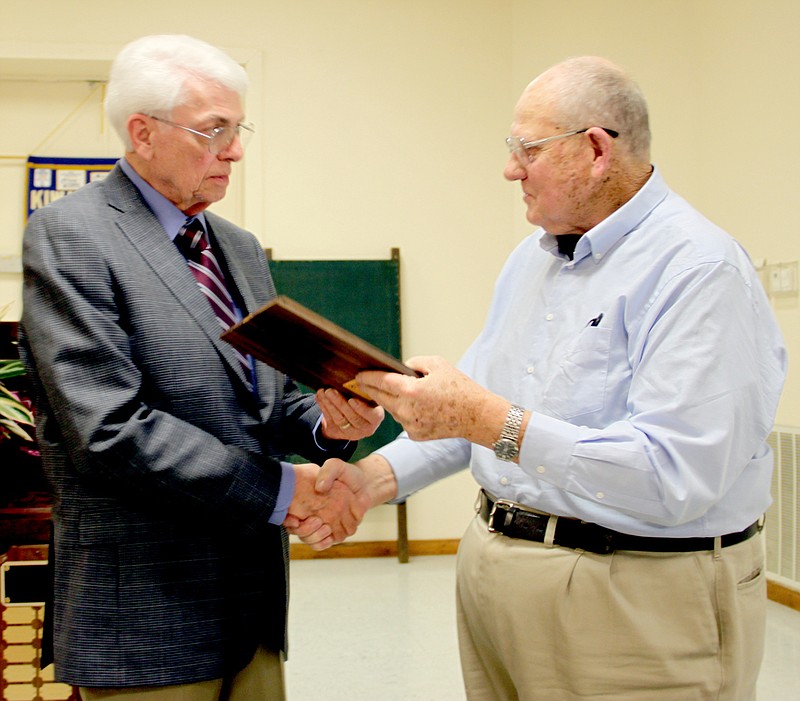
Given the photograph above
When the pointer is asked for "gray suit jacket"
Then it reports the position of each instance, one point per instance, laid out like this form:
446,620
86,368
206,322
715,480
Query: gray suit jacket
163,464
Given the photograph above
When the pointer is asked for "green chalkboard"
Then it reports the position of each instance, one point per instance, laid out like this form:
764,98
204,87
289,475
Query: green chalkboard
362,296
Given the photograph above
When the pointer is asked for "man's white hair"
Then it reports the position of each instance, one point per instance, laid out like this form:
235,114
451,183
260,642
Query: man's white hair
587,91
148,76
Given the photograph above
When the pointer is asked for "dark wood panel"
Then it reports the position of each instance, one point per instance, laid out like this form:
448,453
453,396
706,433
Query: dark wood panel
8,339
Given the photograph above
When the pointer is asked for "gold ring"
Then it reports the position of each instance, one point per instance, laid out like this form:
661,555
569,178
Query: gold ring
345,425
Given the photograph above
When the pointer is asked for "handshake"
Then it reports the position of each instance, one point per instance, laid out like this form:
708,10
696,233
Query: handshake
330,502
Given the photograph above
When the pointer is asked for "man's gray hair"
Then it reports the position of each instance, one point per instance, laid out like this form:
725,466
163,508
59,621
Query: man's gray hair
593,92
148,76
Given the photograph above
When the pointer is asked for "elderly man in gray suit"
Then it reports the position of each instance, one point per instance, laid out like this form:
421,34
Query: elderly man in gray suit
164,447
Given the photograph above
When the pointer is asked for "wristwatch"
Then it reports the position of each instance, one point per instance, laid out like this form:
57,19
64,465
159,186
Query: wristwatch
507,446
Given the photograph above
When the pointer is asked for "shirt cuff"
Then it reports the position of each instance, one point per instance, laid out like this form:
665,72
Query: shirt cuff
285,495
326,444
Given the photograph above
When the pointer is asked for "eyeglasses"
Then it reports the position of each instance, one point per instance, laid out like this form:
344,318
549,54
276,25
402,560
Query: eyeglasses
219,138
523,150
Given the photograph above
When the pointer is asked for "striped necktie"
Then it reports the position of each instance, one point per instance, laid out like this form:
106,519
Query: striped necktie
193,242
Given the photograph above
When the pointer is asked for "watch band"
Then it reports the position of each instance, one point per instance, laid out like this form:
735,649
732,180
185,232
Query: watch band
513,423
507,446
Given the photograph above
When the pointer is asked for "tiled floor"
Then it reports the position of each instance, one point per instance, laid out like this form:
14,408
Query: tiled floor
375,630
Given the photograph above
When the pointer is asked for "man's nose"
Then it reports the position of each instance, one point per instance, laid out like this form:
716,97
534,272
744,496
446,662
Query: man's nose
513,169
233,151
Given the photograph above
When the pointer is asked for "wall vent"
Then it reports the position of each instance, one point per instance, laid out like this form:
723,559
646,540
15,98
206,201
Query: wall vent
783,517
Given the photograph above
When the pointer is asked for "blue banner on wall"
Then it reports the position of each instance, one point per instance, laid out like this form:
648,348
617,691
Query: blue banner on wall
50,179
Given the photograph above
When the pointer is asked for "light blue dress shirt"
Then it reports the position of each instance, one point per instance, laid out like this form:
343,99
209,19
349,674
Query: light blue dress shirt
652,366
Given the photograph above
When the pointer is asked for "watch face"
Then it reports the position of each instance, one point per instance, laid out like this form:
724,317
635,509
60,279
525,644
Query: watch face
506,449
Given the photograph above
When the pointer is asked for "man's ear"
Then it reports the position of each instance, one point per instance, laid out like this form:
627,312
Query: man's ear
602,143
140,131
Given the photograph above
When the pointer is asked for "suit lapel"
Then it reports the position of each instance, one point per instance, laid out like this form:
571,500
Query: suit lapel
141,227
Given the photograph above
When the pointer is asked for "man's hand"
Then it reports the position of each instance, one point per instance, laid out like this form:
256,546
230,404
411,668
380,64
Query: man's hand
444,403
371,478
347,419
324,519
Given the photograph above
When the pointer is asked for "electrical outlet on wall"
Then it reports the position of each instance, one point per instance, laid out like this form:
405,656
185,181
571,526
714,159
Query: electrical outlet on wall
782,278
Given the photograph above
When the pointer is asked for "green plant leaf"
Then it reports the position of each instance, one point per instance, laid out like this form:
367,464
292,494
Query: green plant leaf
15,429
8,393
13,410
11,368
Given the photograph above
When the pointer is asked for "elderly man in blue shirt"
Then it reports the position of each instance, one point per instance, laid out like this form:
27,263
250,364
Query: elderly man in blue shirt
614,411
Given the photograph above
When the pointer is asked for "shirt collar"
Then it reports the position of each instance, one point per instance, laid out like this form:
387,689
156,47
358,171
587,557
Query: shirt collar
168,215
602,238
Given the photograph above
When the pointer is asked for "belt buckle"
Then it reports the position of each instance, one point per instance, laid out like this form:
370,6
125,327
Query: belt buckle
510,509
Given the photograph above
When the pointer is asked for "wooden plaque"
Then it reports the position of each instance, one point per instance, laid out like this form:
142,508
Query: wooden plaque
310,348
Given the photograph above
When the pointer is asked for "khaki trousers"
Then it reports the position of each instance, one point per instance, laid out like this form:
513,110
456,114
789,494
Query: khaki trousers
261,680
540,623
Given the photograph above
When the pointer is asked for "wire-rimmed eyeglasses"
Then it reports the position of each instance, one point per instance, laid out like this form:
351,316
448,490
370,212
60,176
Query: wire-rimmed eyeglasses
523,150
219,138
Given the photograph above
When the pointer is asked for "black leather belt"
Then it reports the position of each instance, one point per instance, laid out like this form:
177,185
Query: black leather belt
514,521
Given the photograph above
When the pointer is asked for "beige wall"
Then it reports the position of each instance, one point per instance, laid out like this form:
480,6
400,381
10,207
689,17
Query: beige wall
381,124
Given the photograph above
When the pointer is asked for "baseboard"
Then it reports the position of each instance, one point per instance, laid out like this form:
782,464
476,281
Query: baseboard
388,548
376,548
783,595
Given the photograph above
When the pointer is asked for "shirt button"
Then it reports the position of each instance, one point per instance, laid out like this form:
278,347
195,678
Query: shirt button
504,481
549,317
600,495
541,470
530,370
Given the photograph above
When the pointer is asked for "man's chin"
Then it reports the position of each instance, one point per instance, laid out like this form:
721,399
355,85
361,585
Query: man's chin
203,199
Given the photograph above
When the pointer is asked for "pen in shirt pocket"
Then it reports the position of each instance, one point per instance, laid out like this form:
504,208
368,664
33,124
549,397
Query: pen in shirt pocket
596,321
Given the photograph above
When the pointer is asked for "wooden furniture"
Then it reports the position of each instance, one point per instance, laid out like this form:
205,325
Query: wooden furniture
24,572
24,500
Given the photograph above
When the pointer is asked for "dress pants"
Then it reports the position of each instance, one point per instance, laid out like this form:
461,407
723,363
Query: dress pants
261,680
539,623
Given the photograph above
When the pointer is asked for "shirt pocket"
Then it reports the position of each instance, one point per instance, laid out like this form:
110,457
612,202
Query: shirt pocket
579,383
